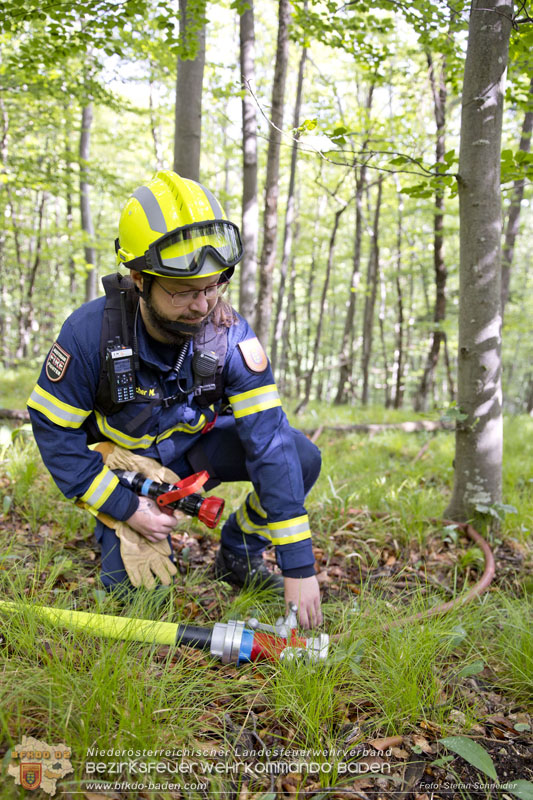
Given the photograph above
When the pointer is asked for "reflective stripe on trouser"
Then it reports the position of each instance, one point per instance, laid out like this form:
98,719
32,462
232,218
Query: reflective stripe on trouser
113,575
245,530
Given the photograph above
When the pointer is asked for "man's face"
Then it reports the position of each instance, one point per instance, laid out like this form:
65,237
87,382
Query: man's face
174,300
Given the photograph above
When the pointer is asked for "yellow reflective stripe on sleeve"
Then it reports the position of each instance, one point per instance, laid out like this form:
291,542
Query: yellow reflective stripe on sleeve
56,410
129,442
100,488
246,525
255,505
290,530
255,400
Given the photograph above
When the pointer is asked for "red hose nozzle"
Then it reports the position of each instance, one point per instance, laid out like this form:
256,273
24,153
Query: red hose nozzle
210,511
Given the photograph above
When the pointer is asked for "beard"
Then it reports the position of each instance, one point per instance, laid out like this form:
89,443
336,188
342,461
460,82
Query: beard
172,331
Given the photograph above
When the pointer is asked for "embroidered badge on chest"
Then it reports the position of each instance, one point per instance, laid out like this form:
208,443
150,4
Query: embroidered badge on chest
253,355
57,363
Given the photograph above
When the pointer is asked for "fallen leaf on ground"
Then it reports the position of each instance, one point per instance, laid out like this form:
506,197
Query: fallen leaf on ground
384,744
422,743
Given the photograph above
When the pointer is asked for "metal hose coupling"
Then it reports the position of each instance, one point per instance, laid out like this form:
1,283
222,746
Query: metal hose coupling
237,642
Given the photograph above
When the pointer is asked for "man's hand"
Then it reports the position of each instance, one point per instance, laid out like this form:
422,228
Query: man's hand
153,522
305,592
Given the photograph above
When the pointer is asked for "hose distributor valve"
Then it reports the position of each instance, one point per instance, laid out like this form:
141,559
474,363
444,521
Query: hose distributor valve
234,643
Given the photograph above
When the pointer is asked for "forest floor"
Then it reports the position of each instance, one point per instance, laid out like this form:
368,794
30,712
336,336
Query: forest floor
436,710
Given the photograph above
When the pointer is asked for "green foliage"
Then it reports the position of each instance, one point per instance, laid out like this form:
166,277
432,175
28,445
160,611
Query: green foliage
73,28
454,414
516,165
472,752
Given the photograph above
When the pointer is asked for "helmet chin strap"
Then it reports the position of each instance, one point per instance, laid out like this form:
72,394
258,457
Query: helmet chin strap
179,327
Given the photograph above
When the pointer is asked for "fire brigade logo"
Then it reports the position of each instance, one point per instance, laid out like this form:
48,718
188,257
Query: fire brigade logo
57,363
35,764
31,775
253,354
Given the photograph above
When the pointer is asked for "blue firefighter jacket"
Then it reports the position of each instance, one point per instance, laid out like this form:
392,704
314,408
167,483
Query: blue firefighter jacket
62,409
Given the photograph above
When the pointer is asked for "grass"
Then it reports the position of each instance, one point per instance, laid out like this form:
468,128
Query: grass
16,386
61,686
512,647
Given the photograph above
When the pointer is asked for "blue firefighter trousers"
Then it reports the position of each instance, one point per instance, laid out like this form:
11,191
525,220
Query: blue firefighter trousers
222,454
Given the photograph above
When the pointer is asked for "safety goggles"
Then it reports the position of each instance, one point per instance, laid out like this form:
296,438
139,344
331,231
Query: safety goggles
181,253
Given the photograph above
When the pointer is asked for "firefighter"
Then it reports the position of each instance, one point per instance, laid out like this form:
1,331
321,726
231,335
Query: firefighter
163,376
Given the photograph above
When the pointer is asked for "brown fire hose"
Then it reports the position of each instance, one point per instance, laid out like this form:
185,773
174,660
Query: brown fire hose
476,590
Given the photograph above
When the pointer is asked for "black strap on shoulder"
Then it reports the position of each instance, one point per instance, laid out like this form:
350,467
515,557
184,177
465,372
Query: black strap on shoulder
119,320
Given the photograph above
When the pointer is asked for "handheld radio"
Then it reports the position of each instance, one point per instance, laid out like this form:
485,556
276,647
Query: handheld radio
121,371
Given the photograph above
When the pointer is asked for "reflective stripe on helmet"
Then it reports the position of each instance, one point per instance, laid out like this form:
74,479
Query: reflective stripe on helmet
213,202
151,208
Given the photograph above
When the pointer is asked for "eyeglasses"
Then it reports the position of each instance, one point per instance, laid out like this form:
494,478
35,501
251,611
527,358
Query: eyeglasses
184,298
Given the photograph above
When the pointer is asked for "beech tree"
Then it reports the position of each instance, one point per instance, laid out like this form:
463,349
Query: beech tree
437,78
515,206
279,316
189,81
372,276
250,209
479,429
91,281
270,220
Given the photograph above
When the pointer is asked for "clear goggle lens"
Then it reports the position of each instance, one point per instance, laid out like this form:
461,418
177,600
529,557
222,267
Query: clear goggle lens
183,251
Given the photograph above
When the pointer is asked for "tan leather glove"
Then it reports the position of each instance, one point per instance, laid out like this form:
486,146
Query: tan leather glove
116,457
142,558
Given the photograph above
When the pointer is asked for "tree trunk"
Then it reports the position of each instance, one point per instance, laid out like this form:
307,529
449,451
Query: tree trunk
346,350
515,205
331,252
529,395
289,345
382,317
479,437
26,311
439,314
399,356
250,209
270,221
319,212
370,298
289,216
346,354
5,316
154,124
188,110
69,201
91,281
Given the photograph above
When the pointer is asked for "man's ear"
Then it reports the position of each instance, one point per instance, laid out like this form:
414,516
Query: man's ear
137,278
